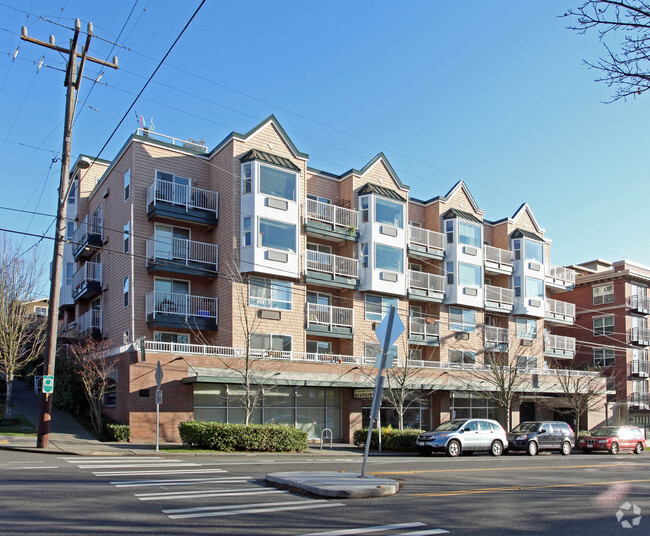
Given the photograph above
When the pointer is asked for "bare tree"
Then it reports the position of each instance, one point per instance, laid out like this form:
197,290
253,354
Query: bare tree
22,333
95,367
627,70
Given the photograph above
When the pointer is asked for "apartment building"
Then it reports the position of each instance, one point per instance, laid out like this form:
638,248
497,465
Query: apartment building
612,305
245,258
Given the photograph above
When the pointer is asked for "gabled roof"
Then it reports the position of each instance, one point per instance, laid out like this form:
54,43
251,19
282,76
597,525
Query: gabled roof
525,207
256,154
370,188
522,233
444,198
380,157
455,213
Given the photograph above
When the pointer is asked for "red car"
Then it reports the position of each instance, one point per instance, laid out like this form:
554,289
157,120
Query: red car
613,439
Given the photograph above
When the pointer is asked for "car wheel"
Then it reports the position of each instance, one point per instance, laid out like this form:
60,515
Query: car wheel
639,448
566,448
614,448
424,451
532,448
453,448
496,449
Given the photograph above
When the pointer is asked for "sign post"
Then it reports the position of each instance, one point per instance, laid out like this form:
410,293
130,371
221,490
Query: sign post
159,377
387,333
48,385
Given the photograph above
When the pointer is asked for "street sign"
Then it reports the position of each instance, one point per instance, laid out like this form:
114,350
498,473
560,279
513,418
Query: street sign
48,384
159,376
396,329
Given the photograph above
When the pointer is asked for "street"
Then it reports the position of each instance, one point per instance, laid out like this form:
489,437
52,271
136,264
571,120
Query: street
515,494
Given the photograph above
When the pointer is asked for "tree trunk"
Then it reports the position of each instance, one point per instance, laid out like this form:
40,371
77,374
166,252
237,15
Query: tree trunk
10,387
400,422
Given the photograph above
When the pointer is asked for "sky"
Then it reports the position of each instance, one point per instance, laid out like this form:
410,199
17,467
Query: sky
495,93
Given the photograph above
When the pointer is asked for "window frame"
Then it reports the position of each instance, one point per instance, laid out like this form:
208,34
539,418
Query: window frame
276,169
477,282
127,185
247,231
271,338
388,204
247,178
276,225
273,287
605,329
384,303
391,250
607,357
461,357
463,325
471,241
523,334
603,298
126,237
125,292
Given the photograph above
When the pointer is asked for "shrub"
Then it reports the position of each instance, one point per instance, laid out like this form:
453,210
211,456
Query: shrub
392,440
240,437
117,432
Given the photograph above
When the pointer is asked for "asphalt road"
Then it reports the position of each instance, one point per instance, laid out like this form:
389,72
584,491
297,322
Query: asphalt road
516,494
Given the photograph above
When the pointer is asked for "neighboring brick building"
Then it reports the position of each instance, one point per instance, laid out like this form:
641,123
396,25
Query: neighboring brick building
178,249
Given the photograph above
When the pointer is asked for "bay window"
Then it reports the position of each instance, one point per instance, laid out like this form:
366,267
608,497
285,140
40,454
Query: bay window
389,212
534,251
278,182
469,234
389,258
277,235
469,275
534,288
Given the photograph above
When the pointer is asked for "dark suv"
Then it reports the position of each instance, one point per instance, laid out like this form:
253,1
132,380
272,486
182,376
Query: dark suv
533,436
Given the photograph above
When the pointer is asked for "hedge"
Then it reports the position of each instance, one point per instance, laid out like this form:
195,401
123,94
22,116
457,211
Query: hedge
241,437
117,432
392,440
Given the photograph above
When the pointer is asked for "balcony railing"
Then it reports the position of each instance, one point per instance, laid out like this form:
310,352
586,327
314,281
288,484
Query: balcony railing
343,218
185,305
182,195
559,275
89,321
90,272
500,258
559,346
425,281
559,310
640,336
89,232
496,339
192,145
182,251
639,303
639,368
426,238
640,399
332,264
422,327
329,316
503,298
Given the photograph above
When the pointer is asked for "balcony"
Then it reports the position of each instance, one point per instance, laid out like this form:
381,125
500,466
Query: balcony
499,299
426,287
559,312
639,368
425,244
329,221
170,310
640,400
639,304
87,281
559,347
498,261
90,323
331,270
496,339
181,256
88,237
640,336
424,331
181,202
559,278
178,142
329,320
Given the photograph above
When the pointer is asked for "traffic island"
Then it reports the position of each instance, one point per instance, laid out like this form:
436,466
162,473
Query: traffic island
335,484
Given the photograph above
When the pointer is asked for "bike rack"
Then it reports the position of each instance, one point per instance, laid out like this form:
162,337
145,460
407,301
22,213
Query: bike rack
323,435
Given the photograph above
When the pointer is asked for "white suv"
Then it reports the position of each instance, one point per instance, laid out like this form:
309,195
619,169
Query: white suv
464,435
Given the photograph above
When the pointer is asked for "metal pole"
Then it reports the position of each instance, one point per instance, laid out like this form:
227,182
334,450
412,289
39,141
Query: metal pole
157,423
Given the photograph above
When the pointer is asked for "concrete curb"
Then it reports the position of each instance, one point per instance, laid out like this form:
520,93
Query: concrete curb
336,484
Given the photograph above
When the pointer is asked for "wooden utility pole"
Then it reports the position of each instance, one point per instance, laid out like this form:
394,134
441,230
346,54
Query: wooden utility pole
72,81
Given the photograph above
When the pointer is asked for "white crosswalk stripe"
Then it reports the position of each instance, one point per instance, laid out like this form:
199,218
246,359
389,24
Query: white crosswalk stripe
183,481
211,493
260,508
382,528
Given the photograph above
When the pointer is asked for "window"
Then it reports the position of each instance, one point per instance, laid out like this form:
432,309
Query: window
516,247
277,235
269,293
526,361
176,338
278,182
415,224
604,325
69,272
172,188
604,357
526,328
69,230
415,267
125,292
469,234
462,319
389,258
534,288
450,273
40,310
319,298
247,234
364,255
603,294
127,184
389,212
127,233
320,248
72,196
517,286
462,356
275,343
469,275
378,306
110,393
247,178
319,199
449,231
125,337
319,347
363,202
534,251
372,349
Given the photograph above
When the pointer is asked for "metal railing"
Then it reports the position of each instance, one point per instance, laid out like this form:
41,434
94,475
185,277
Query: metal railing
557,344
90,271
498,255
328,315
425,281
639,367
91,225
186,144
328,213
560,310
426,238
183,250
639,335
422,326
169,303
182,195
560,275
638,302
89,321
332,264
639,399
500,295
496,338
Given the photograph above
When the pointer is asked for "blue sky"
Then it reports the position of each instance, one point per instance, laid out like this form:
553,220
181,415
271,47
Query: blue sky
495,93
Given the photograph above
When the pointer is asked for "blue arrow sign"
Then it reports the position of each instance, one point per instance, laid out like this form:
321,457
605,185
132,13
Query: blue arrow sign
385,338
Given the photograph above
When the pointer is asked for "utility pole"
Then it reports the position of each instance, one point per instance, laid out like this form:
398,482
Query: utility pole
72,81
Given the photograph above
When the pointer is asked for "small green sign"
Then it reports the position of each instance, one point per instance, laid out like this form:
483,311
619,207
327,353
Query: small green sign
48,384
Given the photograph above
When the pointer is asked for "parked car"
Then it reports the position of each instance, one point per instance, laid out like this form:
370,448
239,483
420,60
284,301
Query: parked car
614,439
533,436
464,435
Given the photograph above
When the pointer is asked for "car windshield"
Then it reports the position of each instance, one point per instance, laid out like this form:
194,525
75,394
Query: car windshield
605,431
525,427
449,426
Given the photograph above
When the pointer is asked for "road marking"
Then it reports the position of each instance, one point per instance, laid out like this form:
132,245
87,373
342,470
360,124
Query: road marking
123,459
363,530
423,532
140,465
503,469
170,472
521,488
222,493
39,467
182,482
219,511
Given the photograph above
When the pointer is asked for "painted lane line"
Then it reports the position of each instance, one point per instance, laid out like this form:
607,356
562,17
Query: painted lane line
123,459
193,492
140,465
39,467
182,481
238,506
364,530
258,510
502,469
423,532
170,472
219,494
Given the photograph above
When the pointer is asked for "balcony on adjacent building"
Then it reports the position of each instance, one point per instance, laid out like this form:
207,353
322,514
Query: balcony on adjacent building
559,312
426,287
181,256
88,237
559,278
171,310
498,299
639,304
496,339
182,202
639,368
425,244
329,320
331,270
424,331
87,281
90,323
332,222
559,347
640,336
640,400
498,261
